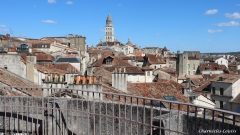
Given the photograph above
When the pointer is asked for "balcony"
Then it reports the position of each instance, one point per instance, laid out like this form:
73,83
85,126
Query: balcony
78,112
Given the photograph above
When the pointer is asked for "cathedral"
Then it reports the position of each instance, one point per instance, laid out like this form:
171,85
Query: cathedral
110,40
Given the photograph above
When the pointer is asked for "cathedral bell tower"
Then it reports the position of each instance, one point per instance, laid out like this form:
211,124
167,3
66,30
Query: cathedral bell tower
109,30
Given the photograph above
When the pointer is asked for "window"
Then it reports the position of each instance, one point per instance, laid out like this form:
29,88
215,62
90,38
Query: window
194,72
221,104
130,78
188,72
194,67
172,98
138,78
148,73
213,90
221,91
108,62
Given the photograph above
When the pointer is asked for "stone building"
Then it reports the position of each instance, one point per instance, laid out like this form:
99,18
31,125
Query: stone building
187,62
78,42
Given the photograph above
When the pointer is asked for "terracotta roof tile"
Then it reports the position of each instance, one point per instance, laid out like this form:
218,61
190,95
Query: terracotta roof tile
49,69
44,57
158,90
137,58
11,79
212,66
60,68
226,78
117,61
153,59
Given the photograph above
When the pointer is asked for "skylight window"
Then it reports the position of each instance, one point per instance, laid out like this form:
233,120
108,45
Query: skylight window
171,98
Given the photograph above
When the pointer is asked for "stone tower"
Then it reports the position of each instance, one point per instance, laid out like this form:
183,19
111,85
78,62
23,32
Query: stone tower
109,30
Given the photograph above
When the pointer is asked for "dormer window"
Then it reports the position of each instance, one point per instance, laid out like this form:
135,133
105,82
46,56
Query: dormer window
108,62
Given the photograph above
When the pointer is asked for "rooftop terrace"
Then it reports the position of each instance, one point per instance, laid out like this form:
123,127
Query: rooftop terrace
78,112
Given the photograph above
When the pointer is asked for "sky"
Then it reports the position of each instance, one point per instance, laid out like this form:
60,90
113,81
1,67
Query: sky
185,25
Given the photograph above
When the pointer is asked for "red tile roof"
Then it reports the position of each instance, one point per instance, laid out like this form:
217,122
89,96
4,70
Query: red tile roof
11,79
212,66
137,58
226,78
44,57
60,68
117,61
158,90
153,59
49,69
104,53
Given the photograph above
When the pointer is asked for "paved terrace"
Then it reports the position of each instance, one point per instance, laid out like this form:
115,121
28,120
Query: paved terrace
78,112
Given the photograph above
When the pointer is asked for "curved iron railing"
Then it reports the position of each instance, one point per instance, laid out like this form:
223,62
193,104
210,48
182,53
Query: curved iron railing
77,112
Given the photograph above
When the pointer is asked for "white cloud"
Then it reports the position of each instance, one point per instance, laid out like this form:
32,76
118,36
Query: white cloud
119,5
235,15
211,12
49,21
214,31
69,2
232,23
2,26
51,1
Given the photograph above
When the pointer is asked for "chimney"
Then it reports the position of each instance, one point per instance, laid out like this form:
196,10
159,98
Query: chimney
94,79
119,70
83,80
78,78
99,56
61,78
124,69
56,78
46,78
71,79
31,59
51,78
89,80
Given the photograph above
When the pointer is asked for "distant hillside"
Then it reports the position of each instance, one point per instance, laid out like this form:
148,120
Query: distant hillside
222,53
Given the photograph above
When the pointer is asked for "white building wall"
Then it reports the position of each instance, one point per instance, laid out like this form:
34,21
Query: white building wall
236,88
238,67
148,76
136,78
13,63
76,65
130,49
156,66
222,61
212,72
203,101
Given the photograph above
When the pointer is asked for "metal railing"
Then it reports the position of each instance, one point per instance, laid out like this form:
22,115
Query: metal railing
78,112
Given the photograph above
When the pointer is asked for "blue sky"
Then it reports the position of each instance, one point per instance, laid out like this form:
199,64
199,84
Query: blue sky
206,26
